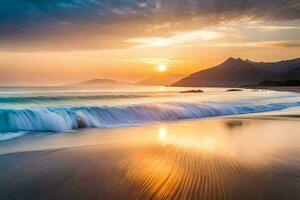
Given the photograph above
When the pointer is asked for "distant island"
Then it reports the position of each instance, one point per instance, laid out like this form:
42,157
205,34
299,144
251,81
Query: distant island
161,79
239,73
96,82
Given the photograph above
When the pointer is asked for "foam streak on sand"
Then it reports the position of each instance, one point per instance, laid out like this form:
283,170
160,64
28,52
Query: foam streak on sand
60,119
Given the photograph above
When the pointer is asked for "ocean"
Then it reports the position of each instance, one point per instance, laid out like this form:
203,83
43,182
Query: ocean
27,110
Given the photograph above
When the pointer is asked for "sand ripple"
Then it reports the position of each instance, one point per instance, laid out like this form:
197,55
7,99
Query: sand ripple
209,165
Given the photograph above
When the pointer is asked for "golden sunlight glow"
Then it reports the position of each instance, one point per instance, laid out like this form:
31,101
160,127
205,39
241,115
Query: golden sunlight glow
162,88
201,142
162,134
162,68
182,38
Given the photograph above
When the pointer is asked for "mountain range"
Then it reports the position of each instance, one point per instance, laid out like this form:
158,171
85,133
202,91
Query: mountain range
238,72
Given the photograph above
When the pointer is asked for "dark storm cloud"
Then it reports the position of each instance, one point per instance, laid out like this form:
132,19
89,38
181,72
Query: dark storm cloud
89,24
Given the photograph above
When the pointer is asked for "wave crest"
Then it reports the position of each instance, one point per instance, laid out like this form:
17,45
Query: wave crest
62,119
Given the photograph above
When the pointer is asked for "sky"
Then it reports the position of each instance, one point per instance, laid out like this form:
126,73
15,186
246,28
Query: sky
52,42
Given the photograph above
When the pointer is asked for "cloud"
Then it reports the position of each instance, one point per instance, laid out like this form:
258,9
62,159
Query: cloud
273,44
275,28
182,38
289,44
96,24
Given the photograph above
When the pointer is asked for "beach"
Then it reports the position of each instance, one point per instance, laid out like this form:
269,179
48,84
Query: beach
149,100
242,157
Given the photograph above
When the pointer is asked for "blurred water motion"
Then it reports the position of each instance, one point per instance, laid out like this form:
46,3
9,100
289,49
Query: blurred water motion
198,159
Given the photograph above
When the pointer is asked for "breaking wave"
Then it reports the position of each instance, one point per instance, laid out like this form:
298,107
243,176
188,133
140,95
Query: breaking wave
62,119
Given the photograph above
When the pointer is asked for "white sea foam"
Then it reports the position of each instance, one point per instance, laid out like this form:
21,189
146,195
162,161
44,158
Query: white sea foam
9,136
64,113
60,119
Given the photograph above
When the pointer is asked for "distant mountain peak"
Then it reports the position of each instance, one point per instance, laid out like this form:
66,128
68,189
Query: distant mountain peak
230,59
236,72
99,81
233,60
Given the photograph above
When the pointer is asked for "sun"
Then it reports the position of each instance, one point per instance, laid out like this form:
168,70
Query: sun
162,68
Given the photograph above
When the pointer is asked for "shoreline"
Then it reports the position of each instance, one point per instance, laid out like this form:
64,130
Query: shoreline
197,159
279,88
40,140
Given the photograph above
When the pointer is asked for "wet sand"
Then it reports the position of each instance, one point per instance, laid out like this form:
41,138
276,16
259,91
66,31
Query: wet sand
221,158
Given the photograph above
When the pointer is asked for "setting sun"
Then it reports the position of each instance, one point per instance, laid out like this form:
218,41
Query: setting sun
162,68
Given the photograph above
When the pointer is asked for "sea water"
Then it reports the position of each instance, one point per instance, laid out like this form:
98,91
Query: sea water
24,110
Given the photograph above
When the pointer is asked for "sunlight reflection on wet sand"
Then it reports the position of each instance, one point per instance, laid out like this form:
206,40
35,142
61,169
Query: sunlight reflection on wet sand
201,159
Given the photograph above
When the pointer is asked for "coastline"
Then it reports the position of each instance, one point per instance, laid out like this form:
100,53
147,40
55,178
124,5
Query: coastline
280,88
217,158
